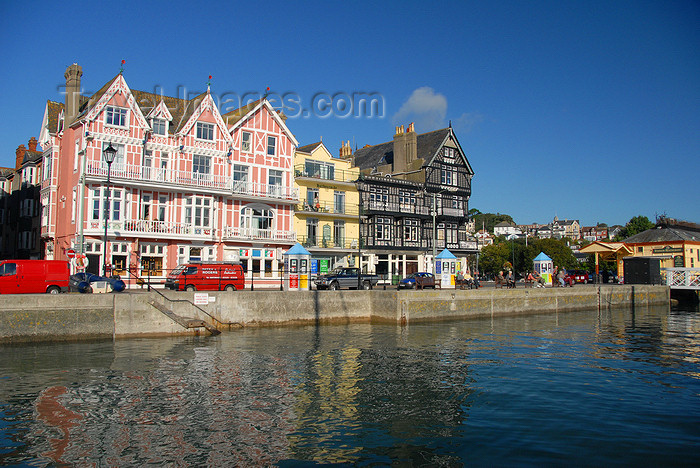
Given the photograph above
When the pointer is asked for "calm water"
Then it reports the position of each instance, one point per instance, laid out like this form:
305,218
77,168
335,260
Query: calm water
585,388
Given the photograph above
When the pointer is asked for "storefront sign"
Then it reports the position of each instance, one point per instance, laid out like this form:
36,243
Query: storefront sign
667,249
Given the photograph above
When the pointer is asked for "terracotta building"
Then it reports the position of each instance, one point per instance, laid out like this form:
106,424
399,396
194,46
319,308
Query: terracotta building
187,183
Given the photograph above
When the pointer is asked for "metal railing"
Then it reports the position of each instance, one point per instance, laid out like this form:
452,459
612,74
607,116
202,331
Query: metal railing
191,179
328,243
338,175
231,232
682,278
326,208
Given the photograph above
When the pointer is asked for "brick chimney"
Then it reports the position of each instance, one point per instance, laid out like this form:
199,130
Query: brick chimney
345,150
399,150
19,156
411,144
72,75
405,147
32,144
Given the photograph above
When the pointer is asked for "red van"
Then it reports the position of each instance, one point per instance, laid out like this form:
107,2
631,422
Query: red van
206,276
34,276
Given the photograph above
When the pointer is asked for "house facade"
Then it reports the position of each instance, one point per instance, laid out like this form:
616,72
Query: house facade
20,223
414,199
187,183
326,217
504,228
677,243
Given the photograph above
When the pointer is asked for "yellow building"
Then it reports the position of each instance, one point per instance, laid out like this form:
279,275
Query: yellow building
326,217
676,242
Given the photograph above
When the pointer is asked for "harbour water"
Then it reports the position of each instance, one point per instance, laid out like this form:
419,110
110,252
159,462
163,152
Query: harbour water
611,388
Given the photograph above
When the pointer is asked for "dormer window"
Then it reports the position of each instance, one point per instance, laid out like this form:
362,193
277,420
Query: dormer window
205,131
160,127
116,116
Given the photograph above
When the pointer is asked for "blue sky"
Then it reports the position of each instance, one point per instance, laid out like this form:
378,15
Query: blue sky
586,110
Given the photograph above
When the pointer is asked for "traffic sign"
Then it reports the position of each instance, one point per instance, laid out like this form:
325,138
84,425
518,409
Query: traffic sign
70,253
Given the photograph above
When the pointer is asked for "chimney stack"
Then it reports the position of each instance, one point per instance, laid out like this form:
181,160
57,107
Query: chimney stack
32,144
19,156
345,150
72,75
399,150
411,144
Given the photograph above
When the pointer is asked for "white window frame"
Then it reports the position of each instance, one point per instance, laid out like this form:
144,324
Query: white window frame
202,162
246,143
272,146
197,211
205,130
118,114
159,124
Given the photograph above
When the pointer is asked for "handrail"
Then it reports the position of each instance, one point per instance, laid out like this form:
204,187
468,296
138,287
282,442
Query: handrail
149,288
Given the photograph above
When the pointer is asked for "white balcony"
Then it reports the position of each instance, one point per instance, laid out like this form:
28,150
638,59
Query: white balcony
256,189
150,228
132,172
238,233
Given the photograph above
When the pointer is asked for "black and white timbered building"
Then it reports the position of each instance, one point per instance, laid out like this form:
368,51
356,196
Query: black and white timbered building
406,187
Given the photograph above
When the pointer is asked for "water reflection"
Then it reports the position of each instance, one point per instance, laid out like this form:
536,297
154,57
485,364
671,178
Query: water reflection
521,390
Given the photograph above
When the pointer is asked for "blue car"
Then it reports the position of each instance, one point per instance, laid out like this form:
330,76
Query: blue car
82,282
418,280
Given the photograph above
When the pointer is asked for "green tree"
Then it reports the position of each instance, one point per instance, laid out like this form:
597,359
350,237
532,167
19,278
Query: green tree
493,257
489,220
634,226
556,249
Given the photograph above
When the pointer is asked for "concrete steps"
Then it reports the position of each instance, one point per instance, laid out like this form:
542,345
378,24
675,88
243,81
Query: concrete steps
185,322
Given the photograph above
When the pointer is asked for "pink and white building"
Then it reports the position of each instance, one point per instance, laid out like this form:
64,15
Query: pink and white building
188,183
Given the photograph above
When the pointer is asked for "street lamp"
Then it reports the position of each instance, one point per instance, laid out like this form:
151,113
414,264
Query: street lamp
109,154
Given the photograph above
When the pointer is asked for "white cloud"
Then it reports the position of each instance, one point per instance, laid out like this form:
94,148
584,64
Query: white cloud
426,108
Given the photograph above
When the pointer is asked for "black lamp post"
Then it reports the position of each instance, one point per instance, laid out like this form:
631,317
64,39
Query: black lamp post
109,154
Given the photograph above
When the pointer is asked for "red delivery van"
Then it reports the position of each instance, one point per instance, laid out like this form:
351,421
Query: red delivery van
34,276
206,276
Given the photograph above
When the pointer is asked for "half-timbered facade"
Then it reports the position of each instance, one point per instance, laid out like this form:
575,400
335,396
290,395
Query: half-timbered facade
187,183
414,199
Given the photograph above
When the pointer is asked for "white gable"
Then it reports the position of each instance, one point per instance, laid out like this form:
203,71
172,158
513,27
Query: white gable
120,87
207,104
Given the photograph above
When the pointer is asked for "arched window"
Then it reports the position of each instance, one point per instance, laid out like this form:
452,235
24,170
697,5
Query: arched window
257,221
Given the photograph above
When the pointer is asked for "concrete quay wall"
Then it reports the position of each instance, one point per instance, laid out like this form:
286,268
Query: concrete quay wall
42,317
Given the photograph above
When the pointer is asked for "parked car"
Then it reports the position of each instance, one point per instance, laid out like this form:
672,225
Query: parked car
579,276
206,276
345,278
609,276
418,280
33,276
88,282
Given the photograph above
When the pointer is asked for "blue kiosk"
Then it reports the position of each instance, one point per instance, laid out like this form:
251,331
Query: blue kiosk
544,266
446,268
297,268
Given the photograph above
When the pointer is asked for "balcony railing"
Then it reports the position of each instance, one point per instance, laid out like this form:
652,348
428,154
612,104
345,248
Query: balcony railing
338,175
231,232
374,205
327,243
327,208
264,190
146,227
191,179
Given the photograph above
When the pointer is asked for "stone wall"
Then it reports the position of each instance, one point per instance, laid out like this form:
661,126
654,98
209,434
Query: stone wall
43,317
